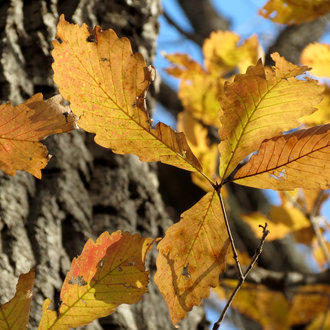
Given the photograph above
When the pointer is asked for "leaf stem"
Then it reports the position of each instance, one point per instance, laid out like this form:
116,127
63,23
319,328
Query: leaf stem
232,243
242,279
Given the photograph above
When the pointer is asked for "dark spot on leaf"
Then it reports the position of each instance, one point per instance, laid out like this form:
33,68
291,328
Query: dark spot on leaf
79,280
59,40
103,59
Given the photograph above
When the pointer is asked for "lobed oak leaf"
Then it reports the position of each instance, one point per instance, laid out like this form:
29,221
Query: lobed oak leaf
14,314
106,85
294,11
271,308
260,104
317,56
23,126
299,159
191,256
109,272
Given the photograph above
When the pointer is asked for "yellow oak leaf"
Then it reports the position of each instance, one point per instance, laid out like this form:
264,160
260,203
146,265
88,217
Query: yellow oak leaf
271,308
109,272
299,159
23,126
14,315
106,85
191,256
260,104
318,57
228,57
201,146
294,11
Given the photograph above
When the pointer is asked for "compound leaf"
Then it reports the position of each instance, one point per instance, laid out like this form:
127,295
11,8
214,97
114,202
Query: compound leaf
14,315
294,11
106,85
261,104
23,126
191,256
300,159
108,273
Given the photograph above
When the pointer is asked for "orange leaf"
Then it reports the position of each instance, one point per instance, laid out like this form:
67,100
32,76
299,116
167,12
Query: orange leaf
14,315
23,126
106,85
260,104
294,11
299,159
191,256
108,273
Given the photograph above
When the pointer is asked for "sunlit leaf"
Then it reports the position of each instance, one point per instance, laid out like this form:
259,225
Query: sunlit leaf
191,256
322,115
106,85
318,57
272,309
109,272
294,11
23,126
201,146
282,220
261,104
299,159
228,57
14,315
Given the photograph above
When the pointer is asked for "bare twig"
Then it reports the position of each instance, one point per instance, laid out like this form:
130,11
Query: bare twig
191,36
242,279
232,243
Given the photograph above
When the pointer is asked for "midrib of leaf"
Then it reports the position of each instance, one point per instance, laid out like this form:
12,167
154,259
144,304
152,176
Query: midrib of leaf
279,166
244,127
132,119
60,316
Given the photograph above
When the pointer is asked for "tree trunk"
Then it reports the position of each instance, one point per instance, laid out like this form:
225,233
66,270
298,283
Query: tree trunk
85,189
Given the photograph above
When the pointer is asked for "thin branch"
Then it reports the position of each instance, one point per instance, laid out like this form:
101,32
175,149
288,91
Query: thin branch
242,279
191,36
232,243
279,281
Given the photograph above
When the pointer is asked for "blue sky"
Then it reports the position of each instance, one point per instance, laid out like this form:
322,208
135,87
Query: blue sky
245,21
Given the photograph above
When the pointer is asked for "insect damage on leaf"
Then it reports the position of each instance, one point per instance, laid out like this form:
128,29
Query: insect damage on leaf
106,85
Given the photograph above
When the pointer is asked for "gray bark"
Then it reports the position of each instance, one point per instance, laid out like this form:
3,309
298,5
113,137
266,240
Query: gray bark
85,189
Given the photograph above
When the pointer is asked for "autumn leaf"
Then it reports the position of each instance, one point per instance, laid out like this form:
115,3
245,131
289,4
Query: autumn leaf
14,315
318,57
299,159
106,85
108,273
200,88
23,126
272,310
282,220
201,146
294,11
224,59
191,256
261,104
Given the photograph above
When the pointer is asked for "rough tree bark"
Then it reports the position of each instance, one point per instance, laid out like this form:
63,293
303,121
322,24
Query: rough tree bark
85,189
